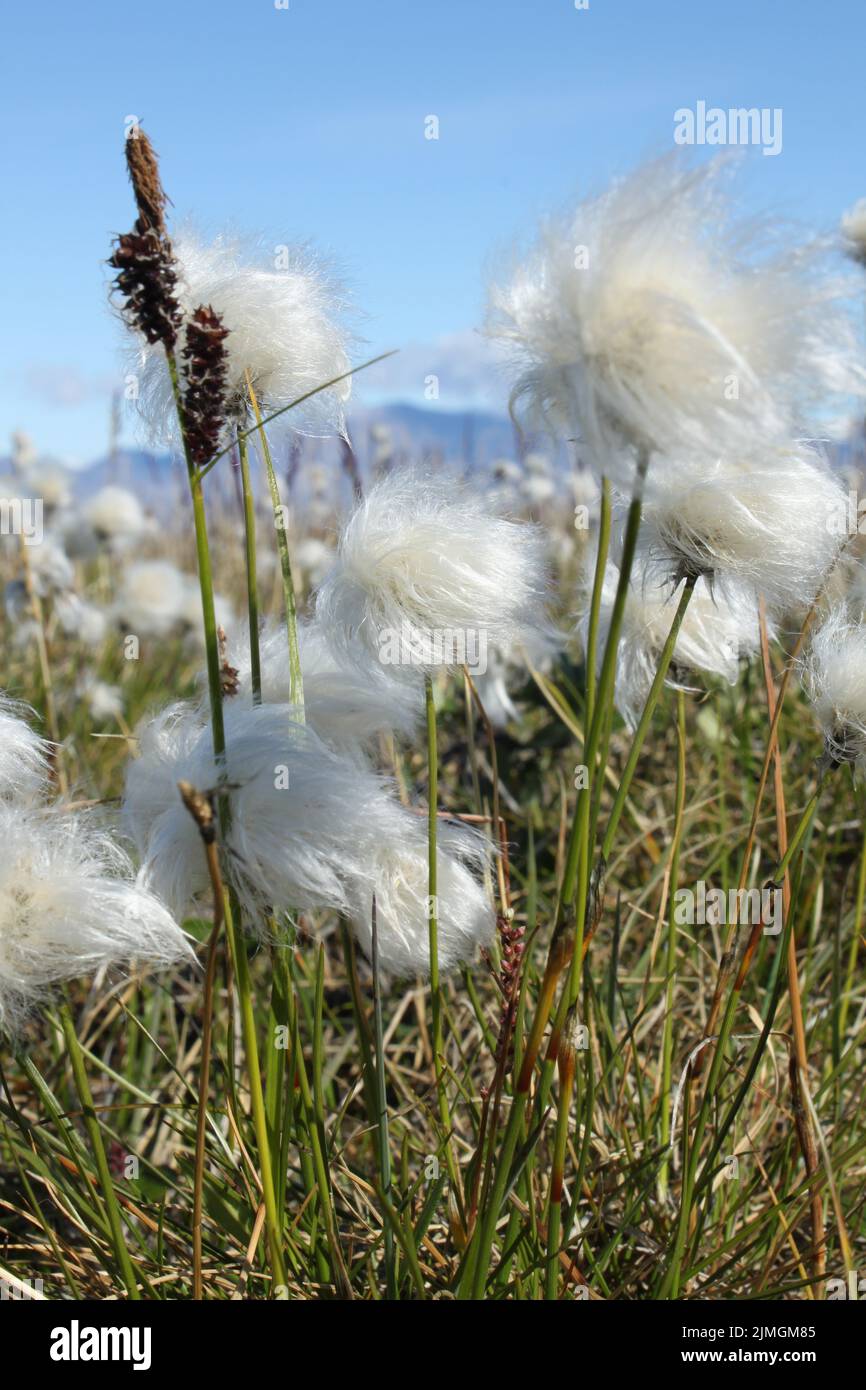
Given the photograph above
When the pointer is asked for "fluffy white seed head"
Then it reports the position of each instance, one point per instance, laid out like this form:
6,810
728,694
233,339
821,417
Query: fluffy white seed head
718,629
309,830
68,907
23,757
83,621
313,559
115,516
537,489
834,675
291,798
51,569
282,312
426,570
397,874
645,320
348,699
105,702
776,528
152,597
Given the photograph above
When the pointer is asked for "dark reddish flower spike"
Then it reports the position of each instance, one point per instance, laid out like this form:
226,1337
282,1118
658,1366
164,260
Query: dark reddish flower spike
205,384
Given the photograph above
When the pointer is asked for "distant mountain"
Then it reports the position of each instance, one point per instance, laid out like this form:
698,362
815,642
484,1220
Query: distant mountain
472,436
465,439
394,433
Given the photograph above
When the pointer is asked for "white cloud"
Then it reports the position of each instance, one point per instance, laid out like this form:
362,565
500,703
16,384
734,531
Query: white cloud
466,366
65,386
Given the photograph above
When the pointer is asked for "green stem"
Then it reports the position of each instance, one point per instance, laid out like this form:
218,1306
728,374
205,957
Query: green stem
85,1096
554,1196
604,523
855,942
671,1284
671,955
296,681
433,930
382,1131
252,577
575,875
233,935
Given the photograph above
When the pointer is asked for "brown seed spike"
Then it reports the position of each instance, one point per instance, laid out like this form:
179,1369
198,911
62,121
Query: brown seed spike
146,282
147,186
205,384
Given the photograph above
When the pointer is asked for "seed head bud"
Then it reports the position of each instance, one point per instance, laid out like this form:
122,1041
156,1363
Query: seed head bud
146,283
205,384
150,196
146,279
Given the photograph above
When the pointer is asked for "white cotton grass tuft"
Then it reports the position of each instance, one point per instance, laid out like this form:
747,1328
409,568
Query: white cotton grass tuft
85,622
68,907
397,872
536,490
510,667
283,313
24,756
348,700
428,575
776,528
104,702
719,628
51,569
854,231
151,599
115,516
310,829
649,321
834,676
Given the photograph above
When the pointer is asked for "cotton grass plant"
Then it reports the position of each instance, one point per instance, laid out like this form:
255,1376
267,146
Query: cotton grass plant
417,767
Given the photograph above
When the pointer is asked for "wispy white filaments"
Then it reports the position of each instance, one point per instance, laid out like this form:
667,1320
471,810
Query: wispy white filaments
24,757
719,628
834,675
648,320
283,315
68,907
427,573
310,829
774,526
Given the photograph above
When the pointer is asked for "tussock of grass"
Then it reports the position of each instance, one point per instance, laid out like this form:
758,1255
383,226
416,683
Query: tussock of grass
391,1223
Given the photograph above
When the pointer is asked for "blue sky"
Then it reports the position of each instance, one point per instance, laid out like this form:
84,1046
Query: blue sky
308,123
